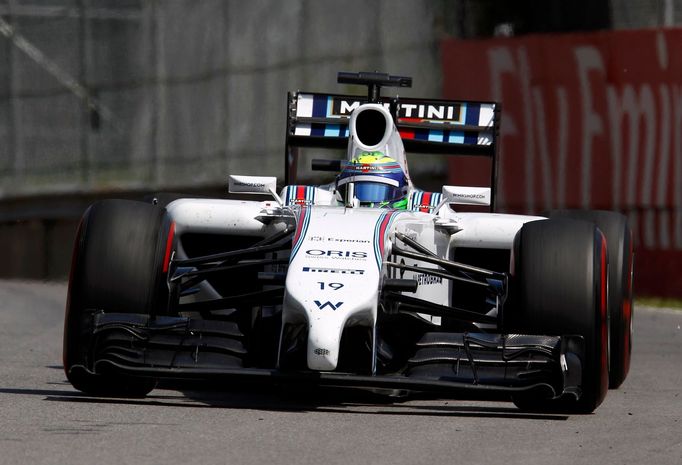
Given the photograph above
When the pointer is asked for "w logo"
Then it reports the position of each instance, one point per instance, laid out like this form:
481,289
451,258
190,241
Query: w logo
321,305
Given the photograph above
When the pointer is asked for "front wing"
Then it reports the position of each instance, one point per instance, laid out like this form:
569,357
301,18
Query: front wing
450,364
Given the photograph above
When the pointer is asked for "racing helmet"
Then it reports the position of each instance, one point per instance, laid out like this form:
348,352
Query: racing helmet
379,180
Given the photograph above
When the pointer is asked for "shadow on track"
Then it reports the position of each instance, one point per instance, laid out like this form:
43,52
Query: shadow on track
342,401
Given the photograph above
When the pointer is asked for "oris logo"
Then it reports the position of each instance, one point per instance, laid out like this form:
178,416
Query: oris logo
335,253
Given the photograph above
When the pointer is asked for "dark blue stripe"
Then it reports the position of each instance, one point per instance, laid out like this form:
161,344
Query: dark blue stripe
471,138
320,106
421,134
473,112
317,129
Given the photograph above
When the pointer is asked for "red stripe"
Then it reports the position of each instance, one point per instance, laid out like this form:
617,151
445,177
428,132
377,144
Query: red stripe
604,372
384,224
627,313
426,200
382,230
169,246
299,226
300,192
406,134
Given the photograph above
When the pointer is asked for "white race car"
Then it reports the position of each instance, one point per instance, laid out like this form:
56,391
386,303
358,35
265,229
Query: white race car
366,282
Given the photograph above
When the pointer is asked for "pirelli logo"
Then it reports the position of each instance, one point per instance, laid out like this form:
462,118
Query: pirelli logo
310,269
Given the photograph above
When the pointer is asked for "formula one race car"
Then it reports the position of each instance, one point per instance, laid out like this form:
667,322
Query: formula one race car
365,282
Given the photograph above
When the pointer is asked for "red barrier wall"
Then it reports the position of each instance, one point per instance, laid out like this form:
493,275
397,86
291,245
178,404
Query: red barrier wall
588,121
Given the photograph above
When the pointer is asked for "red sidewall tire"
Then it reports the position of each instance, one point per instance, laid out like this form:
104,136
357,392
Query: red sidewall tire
559,287
117,266
620,300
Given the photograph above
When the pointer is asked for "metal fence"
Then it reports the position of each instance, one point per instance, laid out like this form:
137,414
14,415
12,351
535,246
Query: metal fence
100,95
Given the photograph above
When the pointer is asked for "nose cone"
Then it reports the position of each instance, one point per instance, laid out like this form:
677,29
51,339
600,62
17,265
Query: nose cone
333,278
324,338
326,319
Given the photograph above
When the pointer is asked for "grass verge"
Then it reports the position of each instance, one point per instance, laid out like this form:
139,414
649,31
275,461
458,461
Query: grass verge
661,302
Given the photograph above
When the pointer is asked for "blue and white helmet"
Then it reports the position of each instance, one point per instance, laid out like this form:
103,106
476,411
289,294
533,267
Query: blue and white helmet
379,180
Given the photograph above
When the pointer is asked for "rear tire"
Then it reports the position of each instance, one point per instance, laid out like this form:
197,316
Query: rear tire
619,242
559,288
117,266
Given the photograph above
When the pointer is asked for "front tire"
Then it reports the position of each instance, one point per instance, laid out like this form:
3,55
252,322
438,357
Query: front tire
621,257
117,266
559,288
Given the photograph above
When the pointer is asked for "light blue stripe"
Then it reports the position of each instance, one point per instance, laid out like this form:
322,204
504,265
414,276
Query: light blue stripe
330,105
456,137
377,254
416,200
332,130
377,231
435,136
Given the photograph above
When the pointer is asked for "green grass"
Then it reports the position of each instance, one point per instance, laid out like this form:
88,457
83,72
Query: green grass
659,302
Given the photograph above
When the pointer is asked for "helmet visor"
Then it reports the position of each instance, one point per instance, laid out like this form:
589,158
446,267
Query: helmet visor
377,192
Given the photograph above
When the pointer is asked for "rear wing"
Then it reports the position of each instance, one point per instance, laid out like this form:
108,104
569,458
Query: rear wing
426,126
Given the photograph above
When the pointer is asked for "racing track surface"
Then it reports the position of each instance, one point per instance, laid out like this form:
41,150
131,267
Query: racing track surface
44,420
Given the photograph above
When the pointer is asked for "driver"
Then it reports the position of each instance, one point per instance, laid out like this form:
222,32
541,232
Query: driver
379,181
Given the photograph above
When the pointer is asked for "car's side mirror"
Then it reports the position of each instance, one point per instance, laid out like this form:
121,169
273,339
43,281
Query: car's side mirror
462,195
254,185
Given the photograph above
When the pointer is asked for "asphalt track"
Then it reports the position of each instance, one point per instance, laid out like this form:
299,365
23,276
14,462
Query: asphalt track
43,420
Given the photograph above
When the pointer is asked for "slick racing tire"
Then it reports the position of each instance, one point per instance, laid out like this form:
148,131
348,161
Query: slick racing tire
559,288
117,266
621,258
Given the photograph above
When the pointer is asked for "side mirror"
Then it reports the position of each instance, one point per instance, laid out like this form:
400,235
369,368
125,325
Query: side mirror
466,195
254,185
